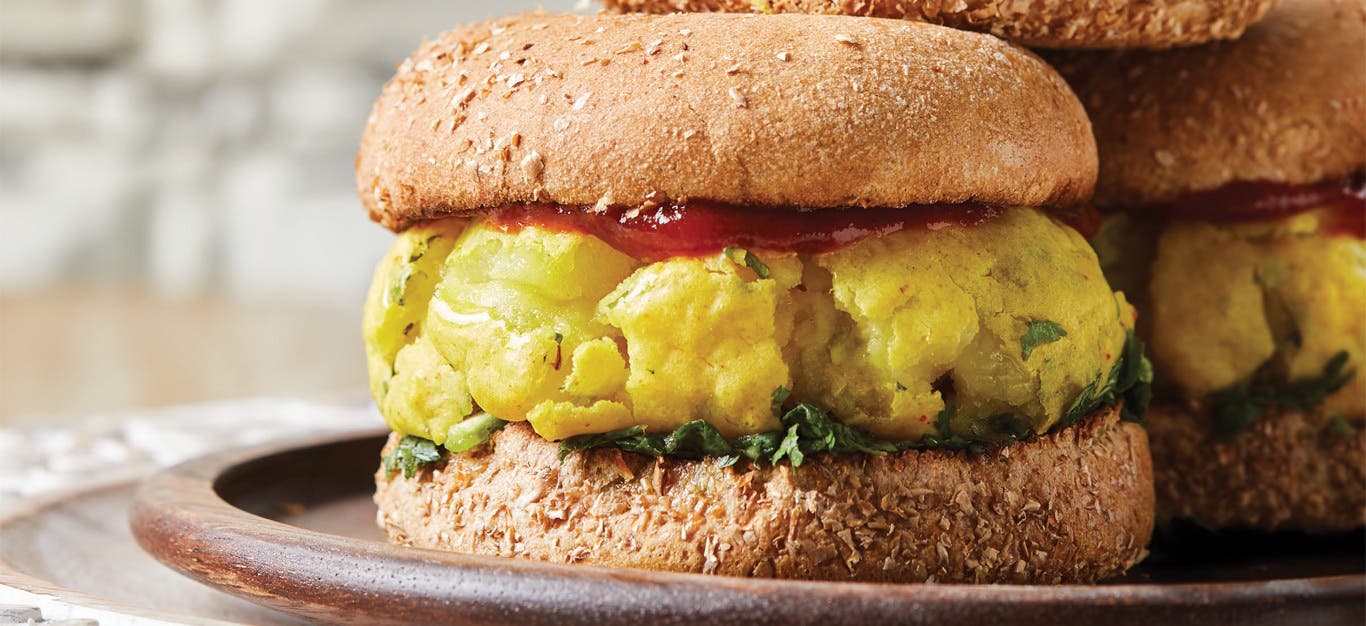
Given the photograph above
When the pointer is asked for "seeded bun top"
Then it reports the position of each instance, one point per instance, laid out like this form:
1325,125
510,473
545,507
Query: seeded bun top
1286,103
786,110
1051,24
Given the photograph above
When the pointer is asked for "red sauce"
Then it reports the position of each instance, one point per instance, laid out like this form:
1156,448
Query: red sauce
698,227
1253,201
1084,218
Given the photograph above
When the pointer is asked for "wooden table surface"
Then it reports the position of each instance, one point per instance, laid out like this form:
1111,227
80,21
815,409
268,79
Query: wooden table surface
75,351
65,490
82,370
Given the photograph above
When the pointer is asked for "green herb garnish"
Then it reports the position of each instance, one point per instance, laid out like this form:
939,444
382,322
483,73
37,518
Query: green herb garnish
420,248
943,420
1237,408
744,257
695,440
1130,379
819,433
398,285
760,446
633,439
789,447
414,453
1038,333
807,430
410,455
945,439
780,395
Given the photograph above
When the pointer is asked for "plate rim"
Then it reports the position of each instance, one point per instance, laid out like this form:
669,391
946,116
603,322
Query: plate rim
157,505
12,576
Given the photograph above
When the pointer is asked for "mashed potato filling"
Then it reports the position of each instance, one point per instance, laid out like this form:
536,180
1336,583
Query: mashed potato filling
1012,316
1232,301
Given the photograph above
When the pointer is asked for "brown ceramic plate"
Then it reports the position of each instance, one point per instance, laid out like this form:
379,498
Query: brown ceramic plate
291,527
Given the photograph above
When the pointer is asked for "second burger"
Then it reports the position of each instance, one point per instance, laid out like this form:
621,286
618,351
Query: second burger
1234,176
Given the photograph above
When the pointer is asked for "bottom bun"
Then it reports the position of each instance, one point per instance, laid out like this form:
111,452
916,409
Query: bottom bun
1071,506
1289,471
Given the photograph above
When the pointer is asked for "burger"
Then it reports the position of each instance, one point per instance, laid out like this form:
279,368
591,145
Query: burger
1055,24
1233,179
786,296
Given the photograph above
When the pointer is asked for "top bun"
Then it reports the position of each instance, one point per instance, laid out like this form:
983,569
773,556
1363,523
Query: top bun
791,110
1051,24
1286,103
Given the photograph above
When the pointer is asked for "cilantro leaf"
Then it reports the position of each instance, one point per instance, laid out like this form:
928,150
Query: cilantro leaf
1135,381
696,439
411,455
806,430
812,424
1002,428
811,431
758,447
1084,403
780,395
398,285
1237,408
633,439
1038,333
420,248
1130,379
744,257
942,421
790,447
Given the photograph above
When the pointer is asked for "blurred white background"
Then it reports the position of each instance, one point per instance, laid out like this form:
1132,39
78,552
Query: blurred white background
179,221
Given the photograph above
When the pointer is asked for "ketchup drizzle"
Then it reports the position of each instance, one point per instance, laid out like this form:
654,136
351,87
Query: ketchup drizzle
699,227
1253,201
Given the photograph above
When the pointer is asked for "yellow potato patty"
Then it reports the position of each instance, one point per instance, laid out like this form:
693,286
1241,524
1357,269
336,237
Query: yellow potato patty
561,330
1228,301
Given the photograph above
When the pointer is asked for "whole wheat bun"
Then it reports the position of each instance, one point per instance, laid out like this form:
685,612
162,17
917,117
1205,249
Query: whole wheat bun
1286,103
1073,506
1290,471
789,110
1041,24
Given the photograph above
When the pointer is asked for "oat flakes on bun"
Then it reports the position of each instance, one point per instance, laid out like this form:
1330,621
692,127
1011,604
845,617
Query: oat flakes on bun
1076,24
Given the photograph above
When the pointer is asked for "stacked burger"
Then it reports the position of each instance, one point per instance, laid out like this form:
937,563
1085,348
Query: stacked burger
792,295
1234,176
1056,24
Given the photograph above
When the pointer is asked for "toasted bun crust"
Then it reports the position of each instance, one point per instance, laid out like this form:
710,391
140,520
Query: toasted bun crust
1046,24
1288,472
1075,506
1285,103
792,110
